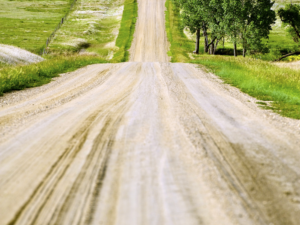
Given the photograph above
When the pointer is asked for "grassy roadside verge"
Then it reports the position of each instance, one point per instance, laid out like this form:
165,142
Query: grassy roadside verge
126,31
20,77
179,43
280,87
260,79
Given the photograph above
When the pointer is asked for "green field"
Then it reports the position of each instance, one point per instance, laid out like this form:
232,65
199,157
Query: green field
27,24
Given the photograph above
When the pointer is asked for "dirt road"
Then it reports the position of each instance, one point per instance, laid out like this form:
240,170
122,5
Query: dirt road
145,142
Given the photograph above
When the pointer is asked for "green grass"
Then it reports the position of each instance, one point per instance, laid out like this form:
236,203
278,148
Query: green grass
20,77
179,43
260,79
27,24
280,87
126,31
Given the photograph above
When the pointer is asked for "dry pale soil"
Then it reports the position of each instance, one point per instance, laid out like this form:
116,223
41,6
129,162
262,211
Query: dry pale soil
146,142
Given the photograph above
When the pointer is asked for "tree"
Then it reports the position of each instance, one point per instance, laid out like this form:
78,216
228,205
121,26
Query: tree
232,20
214,15
248,21
290,17
245,22
258,19
192,20
203,14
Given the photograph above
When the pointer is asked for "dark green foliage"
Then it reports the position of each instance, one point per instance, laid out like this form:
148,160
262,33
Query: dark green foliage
244,22
247,22
290,16
192,18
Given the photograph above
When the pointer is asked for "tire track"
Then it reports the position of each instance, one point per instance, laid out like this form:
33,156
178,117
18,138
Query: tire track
145,142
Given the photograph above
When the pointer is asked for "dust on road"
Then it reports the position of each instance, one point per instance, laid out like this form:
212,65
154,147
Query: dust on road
145,142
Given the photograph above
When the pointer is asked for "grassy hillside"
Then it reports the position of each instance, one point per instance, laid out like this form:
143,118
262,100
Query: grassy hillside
92,26
106,33
103,28
27,23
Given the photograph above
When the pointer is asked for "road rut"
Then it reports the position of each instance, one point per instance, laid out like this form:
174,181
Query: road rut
144,142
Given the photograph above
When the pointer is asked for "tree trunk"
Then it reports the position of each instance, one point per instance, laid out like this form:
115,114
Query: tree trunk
234,49
244,52
215,47
205,39
197,41
296,31
206,45
282,57
212,48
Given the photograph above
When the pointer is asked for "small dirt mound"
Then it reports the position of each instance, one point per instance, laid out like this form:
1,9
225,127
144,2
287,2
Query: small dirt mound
14,55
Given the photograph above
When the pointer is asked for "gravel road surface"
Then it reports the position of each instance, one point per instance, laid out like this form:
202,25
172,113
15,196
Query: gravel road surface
146,142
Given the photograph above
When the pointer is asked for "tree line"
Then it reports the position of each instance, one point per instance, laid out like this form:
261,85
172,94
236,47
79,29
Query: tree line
244,22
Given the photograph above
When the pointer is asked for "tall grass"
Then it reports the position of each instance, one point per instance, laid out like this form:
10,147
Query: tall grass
126,31
20,77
